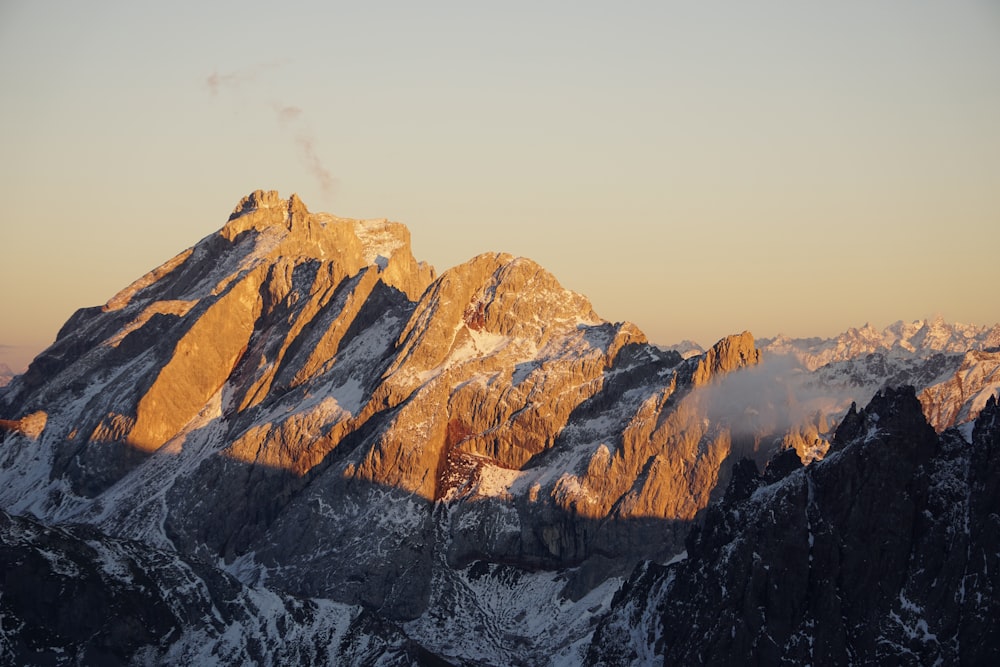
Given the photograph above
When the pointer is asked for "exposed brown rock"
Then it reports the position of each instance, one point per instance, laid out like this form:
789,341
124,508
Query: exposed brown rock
30,425
729,354
123,297
202,362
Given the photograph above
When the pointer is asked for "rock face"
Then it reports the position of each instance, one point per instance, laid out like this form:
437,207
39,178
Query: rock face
886,551
959,398
30,425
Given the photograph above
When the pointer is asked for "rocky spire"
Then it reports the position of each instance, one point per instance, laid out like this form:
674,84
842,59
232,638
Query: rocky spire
729,354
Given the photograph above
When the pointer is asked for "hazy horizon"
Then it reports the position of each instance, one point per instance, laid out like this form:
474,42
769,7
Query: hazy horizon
699,170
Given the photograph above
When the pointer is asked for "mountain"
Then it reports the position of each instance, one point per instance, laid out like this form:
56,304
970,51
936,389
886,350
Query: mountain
885,552
299,401
6,375
917,339
299,411
955,367
686,348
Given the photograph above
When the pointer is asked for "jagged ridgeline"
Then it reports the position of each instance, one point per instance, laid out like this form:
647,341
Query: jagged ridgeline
461,467
884,553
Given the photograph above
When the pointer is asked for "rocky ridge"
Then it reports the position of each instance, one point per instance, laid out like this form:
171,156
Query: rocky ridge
952,387
955,368
886,551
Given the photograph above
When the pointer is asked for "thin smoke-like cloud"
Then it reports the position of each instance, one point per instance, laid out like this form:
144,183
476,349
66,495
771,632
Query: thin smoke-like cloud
216,81
288,116
305,141
312,161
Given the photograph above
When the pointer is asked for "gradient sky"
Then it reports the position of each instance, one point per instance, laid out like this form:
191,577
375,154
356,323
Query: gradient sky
699,168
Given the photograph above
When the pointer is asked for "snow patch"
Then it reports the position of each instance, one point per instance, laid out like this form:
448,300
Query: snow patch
379,240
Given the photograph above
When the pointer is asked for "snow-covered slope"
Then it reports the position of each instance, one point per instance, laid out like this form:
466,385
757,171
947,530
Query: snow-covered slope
73,596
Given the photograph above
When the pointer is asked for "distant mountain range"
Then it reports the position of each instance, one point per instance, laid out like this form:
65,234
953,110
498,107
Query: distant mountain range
295,442
6,375
905,340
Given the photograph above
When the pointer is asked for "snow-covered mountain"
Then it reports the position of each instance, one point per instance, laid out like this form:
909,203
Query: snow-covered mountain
470,463
75,596
903,340
955,367
6,375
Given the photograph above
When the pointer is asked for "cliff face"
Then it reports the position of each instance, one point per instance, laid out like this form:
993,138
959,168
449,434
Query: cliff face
885,551
296,394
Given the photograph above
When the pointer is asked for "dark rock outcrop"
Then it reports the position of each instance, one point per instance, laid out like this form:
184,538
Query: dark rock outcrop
73,596
886,552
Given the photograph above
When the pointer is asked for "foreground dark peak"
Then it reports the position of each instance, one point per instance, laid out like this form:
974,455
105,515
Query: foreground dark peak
885,552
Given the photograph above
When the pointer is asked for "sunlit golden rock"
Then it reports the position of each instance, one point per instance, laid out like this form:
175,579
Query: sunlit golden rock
201,364
729,354
31,425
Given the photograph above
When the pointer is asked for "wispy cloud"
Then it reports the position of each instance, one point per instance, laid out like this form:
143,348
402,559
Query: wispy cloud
312,161
216,81
288,116
771,399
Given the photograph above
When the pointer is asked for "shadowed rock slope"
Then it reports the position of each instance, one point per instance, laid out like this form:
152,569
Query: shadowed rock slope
885,552
73,596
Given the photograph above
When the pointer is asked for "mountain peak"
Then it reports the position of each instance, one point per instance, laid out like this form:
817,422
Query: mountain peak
260,199
261,209
479,455
729,354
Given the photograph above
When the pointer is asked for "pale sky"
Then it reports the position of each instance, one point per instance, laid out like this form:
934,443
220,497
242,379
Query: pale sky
698,168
